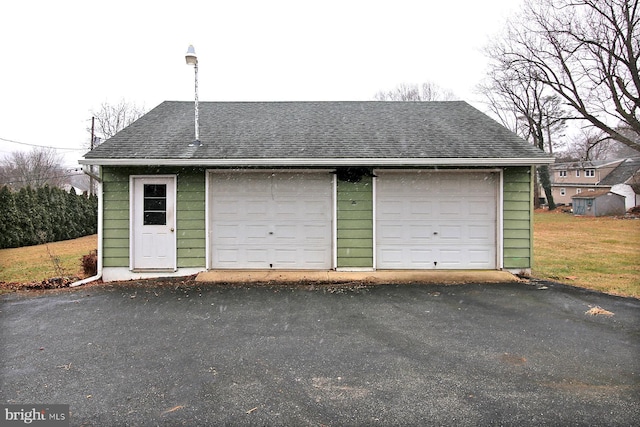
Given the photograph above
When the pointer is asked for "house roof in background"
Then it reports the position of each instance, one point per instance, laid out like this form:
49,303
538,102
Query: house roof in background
622,173
315,133
584,164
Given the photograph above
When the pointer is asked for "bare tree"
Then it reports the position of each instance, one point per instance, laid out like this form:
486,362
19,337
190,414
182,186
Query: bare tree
586,52
108,120
621,151
590,144
112,118
427,91
37,168
525,106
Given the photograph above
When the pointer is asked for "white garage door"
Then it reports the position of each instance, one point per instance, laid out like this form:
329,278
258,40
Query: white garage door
436,220
271,220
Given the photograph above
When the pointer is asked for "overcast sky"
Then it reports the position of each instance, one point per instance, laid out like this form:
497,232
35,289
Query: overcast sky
61,59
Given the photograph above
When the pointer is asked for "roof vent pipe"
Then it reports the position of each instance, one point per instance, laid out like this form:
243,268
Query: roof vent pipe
192,59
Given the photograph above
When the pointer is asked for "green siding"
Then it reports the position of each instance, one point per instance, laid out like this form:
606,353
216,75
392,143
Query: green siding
517,214
190,227
116,218
354,218
355,224
190,214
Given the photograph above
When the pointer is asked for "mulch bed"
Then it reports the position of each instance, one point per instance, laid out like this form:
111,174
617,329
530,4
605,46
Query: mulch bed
52,283
61,283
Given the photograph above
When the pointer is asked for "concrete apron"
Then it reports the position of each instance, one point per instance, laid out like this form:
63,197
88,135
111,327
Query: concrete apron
365,277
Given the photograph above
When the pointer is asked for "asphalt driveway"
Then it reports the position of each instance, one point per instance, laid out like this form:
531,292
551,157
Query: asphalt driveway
197,354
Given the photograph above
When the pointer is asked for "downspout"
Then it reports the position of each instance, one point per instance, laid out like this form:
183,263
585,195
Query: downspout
100,233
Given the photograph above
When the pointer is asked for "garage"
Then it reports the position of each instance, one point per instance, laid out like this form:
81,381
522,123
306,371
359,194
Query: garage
271,220
436,219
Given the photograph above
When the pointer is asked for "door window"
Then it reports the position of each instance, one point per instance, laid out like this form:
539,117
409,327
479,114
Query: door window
155,204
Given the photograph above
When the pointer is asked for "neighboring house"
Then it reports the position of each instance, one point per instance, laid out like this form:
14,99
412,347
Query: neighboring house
625,180
79,183
598,203
572,178
314,185
575,178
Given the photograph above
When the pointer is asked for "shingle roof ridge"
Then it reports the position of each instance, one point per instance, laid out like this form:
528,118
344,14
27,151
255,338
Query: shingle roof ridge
320,102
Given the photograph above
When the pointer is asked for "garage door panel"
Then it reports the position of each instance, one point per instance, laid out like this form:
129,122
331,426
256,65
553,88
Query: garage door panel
284,233
479,232
481,208
229,209
226,255
420,208
451,232
392,207
450,185
451,207
316,209
287,208
453,225
285,256
315,258
479,257
481,183
420,256
252,233
389,230
255,208
315,234
271,220
403,233
255,255
450,257
391,257
419,232
227,232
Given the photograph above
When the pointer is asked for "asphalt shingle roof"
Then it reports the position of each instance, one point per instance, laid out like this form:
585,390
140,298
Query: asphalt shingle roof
622,173
316,130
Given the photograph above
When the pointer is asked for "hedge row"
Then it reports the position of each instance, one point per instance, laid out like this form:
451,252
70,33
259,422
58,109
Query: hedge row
46,214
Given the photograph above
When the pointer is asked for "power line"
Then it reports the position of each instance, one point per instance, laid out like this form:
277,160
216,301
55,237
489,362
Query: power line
42,146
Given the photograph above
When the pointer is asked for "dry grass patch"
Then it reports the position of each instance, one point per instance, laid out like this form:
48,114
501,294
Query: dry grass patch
597,253
36,263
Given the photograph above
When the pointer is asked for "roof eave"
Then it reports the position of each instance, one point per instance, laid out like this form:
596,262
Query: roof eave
310,162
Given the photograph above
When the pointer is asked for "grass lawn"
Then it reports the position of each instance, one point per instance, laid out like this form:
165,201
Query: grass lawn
596,253
37,263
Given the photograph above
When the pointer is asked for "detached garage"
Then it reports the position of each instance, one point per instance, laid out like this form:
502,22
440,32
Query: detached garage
314,186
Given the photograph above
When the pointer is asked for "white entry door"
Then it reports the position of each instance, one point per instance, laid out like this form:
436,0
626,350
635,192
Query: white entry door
153,223
436,220
265,220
